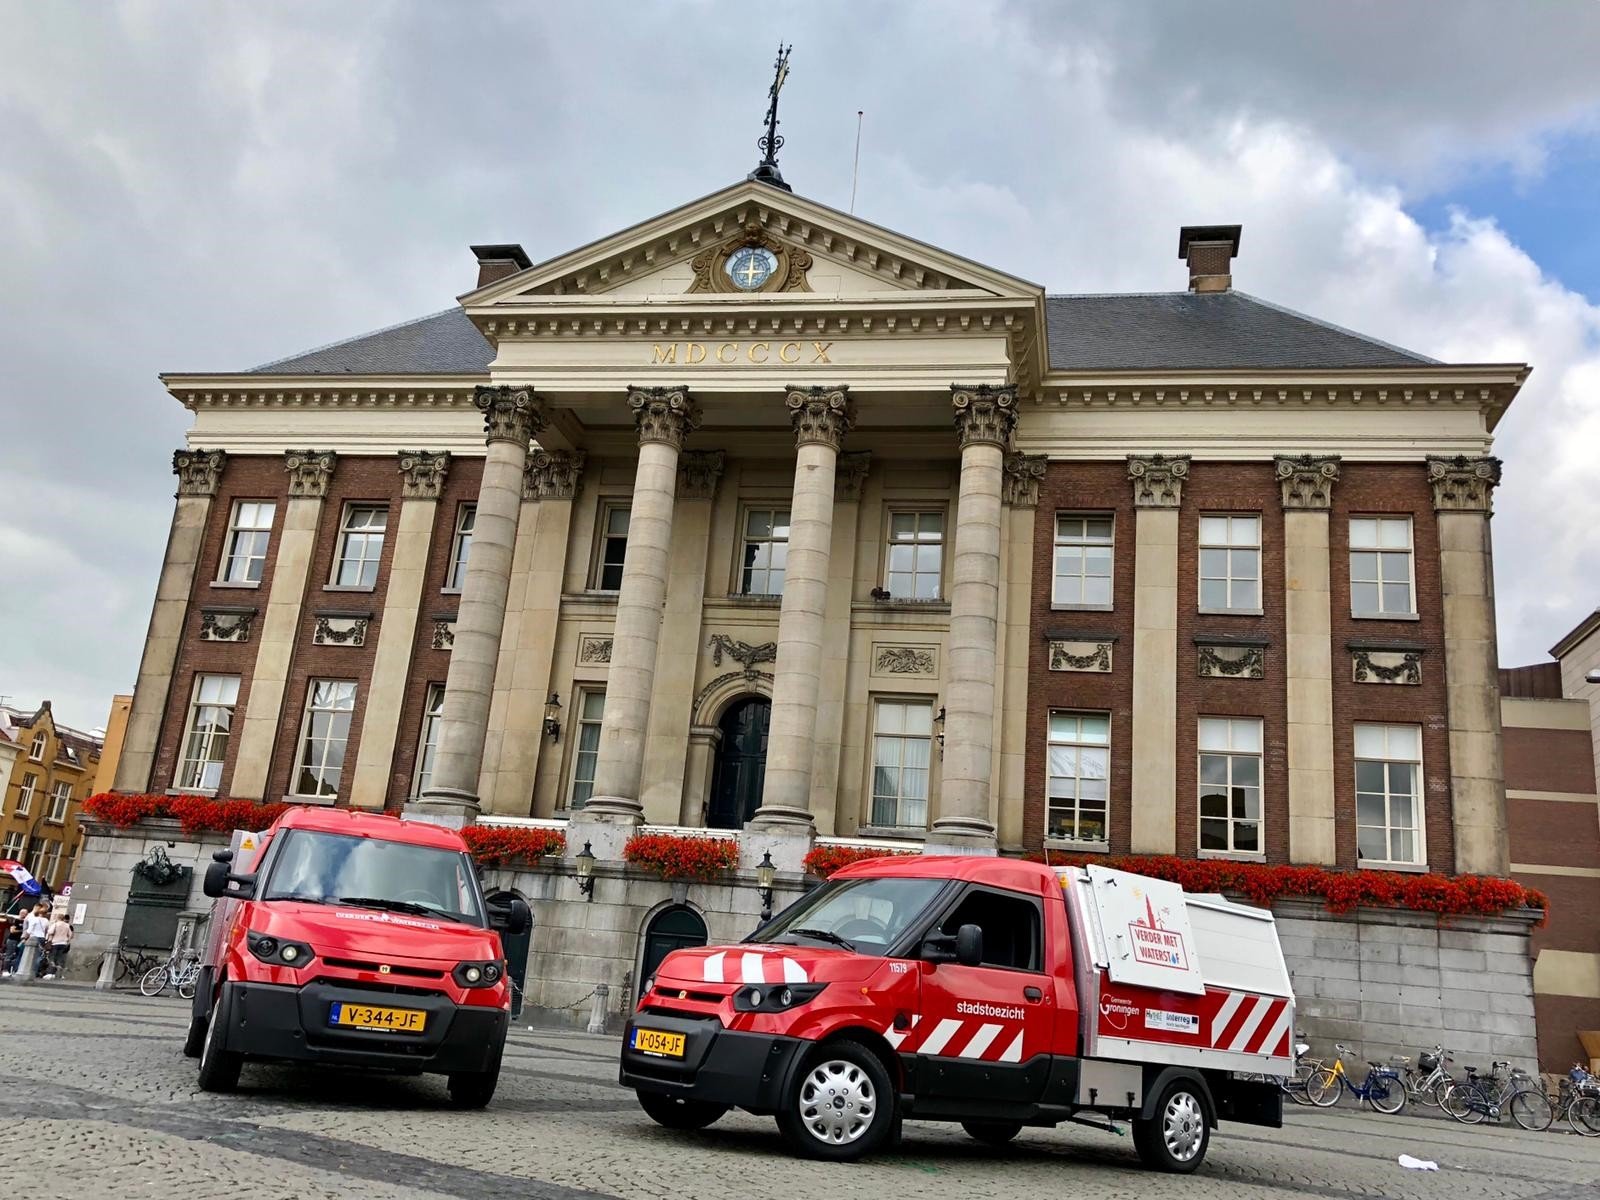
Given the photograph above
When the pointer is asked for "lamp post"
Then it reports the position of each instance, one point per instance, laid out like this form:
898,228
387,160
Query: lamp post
766,872
585,860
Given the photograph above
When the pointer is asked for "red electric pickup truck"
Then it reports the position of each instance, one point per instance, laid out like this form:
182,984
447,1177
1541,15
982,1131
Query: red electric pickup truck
995,993
357,940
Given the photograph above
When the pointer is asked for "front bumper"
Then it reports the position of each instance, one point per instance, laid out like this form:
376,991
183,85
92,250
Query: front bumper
719,1066
271,1021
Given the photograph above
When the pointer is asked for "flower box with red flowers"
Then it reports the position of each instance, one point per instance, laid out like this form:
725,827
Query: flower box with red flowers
194,814
673,856
823,861
495,845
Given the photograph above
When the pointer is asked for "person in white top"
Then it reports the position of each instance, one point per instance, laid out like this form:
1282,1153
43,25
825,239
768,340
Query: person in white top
59,935
34,931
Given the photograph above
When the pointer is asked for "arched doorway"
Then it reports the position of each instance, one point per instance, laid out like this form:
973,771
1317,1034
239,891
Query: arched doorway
741,763
676,928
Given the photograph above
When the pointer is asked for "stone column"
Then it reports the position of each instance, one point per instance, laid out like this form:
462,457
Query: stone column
1462,499
985,417
1157,495
665,416
199,472
1308,673
512,416
310,473
821,417
1022,475
423,479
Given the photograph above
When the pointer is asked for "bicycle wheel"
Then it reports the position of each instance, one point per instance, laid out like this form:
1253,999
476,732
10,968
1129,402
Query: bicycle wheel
1465,1103
1531,1109
1323,1088
124,969
1433,1096
186,983
1583,1114
153,981
1296,1087
1386,1095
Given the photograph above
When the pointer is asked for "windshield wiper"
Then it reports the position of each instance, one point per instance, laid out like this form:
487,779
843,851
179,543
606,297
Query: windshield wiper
404,906
822,935
299,899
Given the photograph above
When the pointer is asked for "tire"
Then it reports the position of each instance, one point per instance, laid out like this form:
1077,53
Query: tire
1531,1109
840,1105
1323,1087
673,1112
1583,1114
153,982
1433,1096
219,1067
1464,1103
1388,1096
186,984
474,1089
992,1133
1296,1088
1176,1138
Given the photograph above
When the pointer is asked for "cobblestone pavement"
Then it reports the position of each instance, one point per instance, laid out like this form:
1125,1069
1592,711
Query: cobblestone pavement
101,1103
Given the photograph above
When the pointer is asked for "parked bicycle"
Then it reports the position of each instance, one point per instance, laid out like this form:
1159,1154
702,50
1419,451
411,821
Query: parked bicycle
1383,1088
180,971
1504,1090
1578,1100
132,963
1430,1078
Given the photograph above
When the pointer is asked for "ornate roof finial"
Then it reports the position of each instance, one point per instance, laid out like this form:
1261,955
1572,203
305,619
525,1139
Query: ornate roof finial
770,142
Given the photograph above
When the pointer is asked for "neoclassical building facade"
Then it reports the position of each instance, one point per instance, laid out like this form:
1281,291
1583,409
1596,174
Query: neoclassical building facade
758,514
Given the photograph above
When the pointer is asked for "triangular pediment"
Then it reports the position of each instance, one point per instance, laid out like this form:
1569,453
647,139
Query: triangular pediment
809,249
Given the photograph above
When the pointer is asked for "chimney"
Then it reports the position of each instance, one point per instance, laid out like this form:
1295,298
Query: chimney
497,262
1209,250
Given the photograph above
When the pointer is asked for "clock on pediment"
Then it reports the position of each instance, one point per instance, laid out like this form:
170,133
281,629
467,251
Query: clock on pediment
754,261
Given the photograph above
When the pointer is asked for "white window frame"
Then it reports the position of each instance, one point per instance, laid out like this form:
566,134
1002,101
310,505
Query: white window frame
52,866
1233,749
1419,828
199,703
1228,547
60,801
1082,541
13,844
428,741
918,513
461,547
1410,550
901,738
36,748
341,702
750,573
366,533
585,758
25,793
1076,742
238,530
603,535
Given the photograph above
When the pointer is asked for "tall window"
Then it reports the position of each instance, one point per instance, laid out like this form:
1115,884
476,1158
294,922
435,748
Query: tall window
432,713
591,708
12,847
613,547
360,545
461,547
36,751
30,784
902,743
916,555
1389,793
330,704
1230,784
244,554
1380,567
205,742
766,551
60,797
50,863
1230,564
1083,560
1079,791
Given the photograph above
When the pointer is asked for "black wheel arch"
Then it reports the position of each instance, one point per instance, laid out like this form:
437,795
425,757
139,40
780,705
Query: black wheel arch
1158,1079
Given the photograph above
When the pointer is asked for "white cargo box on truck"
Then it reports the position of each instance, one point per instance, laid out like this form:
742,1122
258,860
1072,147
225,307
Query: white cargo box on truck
1169,977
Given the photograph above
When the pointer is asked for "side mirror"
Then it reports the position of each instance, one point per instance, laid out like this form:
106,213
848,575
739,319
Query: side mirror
511,915
969,945
219,877
222,856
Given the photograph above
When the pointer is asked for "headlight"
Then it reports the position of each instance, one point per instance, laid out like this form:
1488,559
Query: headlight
286,954
478,974
776,998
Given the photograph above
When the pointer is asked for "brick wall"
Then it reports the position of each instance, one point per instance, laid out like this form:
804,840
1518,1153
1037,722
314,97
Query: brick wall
1549,760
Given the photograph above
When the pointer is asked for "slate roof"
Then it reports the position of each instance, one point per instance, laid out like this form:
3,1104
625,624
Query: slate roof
1130,332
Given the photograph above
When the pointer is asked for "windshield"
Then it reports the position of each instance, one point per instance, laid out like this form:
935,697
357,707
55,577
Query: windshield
332,868
868,915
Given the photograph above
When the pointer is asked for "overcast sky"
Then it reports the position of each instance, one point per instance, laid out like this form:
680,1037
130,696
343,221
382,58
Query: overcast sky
212,186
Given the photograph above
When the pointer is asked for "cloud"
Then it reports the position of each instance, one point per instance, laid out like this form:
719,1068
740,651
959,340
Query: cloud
193,186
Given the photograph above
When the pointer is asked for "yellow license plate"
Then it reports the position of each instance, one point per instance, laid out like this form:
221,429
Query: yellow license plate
391,1020
658,1042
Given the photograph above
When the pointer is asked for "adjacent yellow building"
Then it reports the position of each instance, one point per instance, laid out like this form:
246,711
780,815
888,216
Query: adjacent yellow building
54,769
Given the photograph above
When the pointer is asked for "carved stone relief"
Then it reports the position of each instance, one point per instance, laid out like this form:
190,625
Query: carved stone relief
905,660
310,471
1386,666
663,414
743,653
790,275
199,472
1463,484
1218,661
698,473
552,474
1091,656
594,648
510,414
985,413
226,624
850,474
1019,486
1307,480
1158,479
444,633
340,630
423,473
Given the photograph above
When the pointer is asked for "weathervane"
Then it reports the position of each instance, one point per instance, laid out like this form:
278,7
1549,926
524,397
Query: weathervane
771,142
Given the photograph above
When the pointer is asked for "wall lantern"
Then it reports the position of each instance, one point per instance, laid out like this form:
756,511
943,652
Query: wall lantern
552,717
766,872
938,720
585,861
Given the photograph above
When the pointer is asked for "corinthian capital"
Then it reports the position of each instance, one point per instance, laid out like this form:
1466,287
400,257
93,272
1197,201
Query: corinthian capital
552,474
1158,479
1463,484
1307,480
423,473
820,414
985,414
198,471
1019,486
510,414
698,472
310,471
663,414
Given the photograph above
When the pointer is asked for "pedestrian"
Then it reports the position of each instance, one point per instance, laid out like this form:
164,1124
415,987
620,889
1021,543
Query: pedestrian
13,947
59,934
34,931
